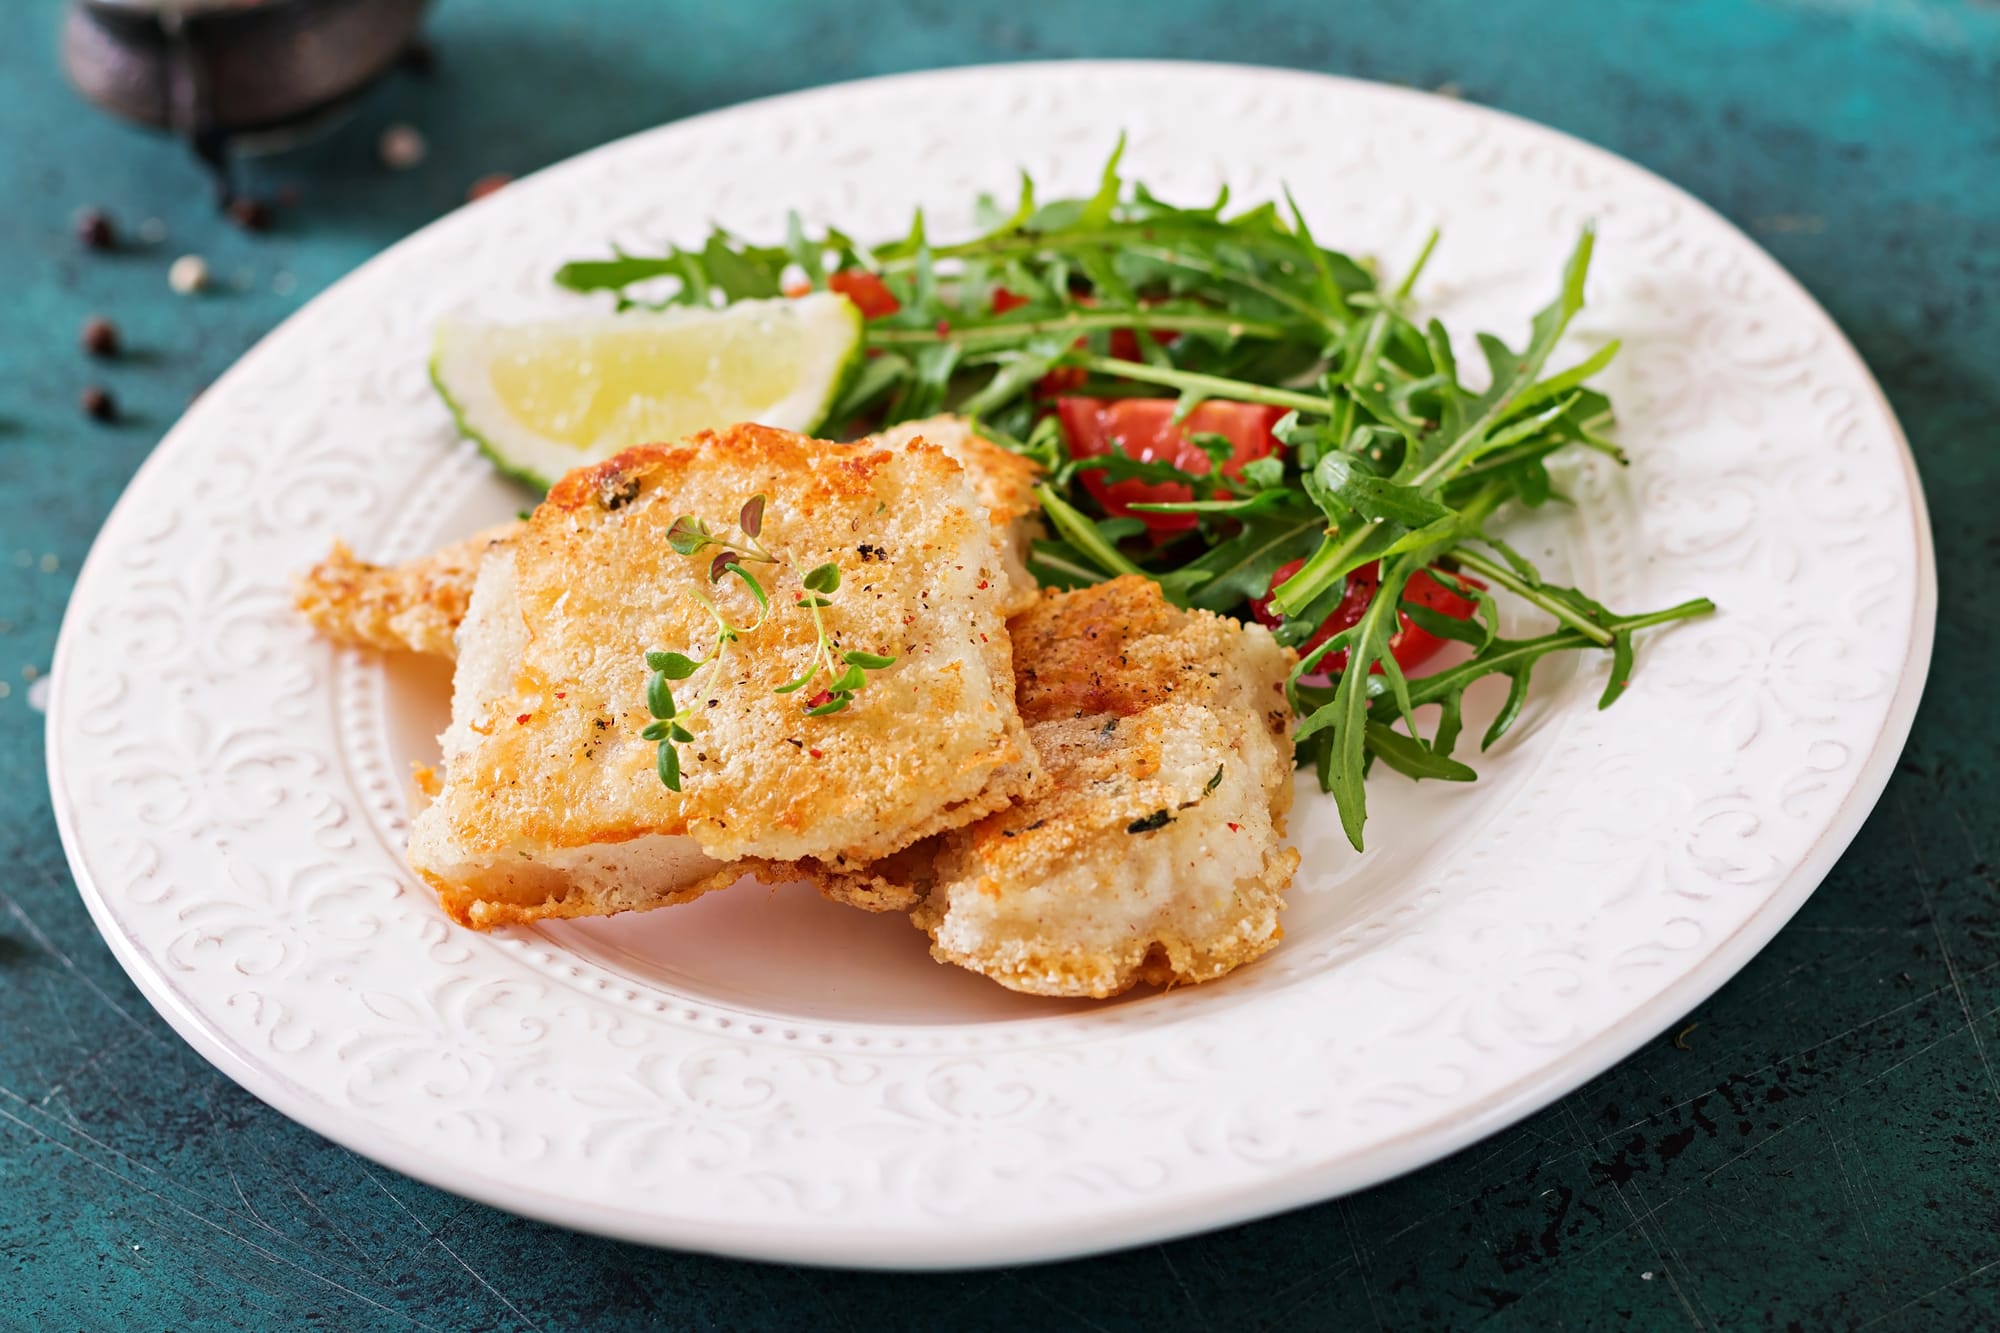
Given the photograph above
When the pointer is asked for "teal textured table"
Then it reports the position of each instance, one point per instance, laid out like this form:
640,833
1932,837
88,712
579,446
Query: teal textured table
1811,1149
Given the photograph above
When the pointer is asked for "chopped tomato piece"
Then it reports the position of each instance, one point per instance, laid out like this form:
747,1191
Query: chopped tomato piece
1145,430
1061,380
1125,344
1409,645
871,296
868,292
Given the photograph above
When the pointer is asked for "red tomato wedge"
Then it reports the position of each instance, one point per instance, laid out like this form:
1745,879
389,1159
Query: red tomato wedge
1125,343
1144,429
1409,645
871,296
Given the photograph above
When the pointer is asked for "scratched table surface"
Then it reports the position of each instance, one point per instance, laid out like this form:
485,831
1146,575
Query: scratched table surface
1813,1148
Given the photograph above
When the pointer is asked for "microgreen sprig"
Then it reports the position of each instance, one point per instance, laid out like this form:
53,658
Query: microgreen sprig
666,729
847,671
691,535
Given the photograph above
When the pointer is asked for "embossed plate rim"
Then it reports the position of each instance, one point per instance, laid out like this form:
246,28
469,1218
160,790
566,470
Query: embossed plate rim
1139,1218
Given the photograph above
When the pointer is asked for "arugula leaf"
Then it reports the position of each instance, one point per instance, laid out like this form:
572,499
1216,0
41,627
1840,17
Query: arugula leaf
1378,498
1240,568
1347,713
1086,537
1413,758
1267,473
877,377
1060,565
738,276
1261,502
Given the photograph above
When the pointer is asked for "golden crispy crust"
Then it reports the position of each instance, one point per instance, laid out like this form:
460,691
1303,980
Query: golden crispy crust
896,883
552,759
1076,649
1005,482
1112,650
1154,852
413,607
1004,479
557,897
1075,894
417,606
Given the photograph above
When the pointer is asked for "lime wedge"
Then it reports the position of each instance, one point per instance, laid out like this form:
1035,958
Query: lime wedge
543,398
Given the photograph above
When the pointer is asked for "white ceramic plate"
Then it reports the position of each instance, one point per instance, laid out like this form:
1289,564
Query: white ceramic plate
765,1074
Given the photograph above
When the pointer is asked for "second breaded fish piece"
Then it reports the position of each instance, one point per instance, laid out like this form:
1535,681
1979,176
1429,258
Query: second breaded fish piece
549,802
418,605
1154,853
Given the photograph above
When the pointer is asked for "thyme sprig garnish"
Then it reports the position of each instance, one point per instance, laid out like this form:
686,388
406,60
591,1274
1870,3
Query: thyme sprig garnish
1160,818
1390,457
691,535
847,671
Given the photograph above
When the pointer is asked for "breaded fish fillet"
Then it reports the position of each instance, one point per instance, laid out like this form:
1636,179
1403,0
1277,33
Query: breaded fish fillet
549,804
1006,484
417,606
1154,853
414,607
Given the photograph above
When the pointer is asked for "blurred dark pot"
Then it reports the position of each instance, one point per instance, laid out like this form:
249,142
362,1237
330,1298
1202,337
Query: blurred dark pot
217,69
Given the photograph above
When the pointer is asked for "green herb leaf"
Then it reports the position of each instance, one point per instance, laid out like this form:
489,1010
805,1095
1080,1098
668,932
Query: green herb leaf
688,535
739,276
674,666
1435,622
1347,713
1240,568
659,697
1120,529
749,581
869,661
1060,565
823,578
1263,502
1412,758
878,377
1083,535
1621,669
1265,473
1375,497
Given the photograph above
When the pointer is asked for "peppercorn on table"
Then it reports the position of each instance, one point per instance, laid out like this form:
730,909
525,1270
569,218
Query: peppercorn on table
1807,1149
